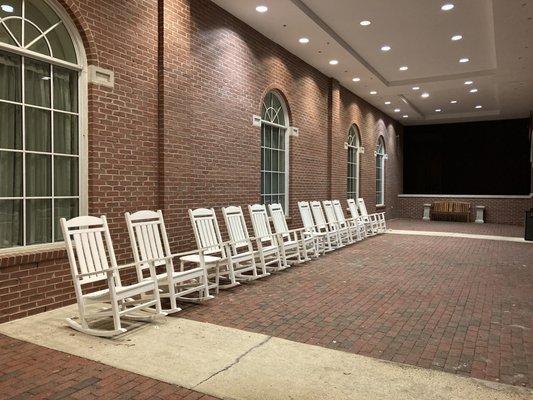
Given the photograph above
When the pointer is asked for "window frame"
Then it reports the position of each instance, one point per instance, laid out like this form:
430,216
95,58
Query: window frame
81,68
381,156
286,126
354,165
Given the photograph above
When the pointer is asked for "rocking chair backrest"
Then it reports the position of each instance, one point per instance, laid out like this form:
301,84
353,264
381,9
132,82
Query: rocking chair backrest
206,231
236,225
318,214
362,206
278,219
330,214
260,223
337,208
148,238
353,208
307,216
89,249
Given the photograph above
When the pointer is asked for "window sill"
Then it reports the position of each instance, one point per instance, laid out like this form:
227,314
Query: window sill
380,205
31,254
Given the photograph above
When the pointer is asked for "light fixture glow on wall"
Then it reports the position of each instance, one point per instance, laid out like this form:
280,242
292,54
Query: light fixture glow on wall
397,110
385,47
464,60
387,102
405,116
473,90
261,9
447,7
416,87
7,8
468,82
438,110
373,92
404,68
333,62
453,102
424,95
455,38
365,23
479,106
356,79
304,40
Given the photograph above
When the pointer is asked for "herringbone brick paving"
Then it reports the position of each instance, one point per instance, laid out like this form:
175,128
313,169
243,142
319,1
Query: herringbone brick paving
459,227
463,306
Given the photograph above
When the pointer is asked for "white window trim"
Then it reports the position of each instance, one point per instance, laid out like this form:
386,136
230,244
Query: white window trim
287,148
83,117
358,158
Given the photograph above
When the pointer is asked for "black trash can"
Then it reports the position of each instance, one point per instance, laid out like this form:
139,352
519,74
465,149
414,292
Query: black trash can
529,225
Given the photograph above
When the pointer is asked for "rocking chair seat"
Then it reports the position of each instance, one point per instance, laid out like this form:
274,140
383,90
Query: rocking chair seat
193,273
103,295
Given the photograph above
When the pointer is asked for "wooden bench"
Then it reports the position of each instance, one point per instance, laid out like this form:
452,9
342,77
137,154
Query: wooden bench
450,210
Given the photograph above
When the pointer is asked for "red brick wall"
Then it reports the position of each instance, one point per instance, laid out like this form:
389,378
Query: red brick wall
175,132
498,211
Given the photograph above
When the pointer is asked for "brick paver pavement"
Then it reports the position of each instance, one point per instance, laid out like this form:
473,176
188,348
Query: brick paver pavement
28,371
460,305
460,227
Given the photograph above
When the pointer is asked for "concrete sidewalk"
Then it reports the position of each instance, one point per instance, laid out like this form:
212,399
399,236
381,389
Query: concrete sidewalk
235,364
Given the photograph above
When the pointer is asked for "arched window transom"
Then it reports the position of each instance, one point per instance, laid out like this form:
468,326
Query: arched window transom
354,145
380,172
40,141
274,151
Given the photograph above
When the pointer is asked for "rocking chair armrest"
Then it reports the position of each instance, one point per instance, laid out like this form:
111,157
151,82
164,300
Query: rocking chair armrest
106,271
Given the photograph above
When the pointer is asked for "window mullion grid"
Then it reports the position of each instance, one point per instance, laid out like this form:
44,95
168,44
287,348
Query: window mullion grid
23,96
52,149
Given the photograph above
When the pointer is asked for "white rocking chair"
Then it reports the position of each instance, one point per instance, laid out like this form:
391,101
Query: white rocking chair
266,239
241,246
322,239
366,222
357,228
332,237
207,235
295,244
92,262
149,241
344,230
378,218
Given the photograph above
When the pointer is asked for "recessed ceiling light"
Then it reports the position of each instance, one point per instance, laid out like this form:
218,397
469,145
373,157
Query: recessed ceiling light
333,62
385,47
424,95
387,102
397,110
447,7
7,8
416,87
373,92
356,79
473,90
455,38
438,110
453,102
468,82
304,40
405,116
479,106
365,23
464,60
261,9
404,68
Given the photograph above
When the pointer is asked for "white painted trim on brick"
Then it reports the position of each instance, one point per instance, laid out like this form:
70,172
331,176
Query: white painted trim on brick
467,196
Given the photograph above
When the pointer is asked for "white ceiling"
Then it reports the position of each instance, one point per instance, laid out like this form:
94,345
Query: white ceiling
497,38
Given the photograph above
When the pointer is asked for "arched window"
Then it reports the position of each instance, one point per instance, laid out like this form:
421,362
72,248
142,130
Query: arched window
380,172
354,146
41,120
274,151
